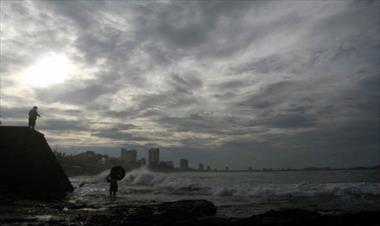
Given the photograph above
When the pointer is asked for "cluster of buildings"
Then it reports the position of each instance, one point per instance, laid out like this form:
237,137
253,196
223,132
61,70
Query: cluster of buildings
129,160
90,162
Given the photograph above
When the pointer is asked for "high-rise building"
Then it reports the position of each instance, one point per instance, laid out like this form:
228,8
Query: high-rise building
128,156
184,164
200,167
154,157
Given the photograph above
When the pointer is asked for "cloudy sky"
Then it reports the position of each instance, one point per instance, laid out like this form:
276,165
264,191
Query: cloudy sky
226,83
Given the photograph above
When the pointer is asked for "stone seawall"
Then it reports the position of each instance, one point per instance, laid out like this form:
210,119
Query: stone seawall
28,167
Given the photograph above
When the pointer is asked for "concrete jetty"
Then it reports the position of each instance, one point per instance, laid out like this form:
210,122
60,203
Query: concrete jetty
28,167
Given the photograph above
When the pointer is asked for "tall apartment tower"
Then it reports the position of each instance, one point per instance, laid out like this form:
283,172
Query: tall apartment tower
128,156
154,157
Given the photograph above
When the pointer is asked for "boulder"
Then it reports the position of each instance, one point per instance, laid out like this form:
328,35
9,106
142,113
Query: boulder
182,212
186,208
28,167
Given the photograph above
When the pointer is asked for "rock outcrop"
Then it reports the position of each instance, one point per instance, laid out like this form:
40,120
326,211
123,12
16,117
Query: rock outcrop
28,167
184,213
166,216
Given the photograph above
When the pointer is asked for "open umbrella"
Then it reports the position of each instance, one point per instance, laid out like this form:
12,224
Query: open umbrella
117,172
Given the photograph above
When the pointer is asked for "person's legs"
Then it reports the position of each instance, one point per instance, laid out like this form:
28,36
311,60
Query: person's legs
112,192
32,123
113,188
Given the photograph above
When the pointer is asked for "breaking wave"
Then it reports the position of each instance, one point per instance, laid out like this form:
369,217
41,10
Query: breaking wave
175,184
158,181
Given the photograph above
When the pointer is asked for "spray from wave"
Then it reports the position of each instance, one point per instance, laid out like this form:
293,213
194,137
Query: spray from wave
174,183
159,182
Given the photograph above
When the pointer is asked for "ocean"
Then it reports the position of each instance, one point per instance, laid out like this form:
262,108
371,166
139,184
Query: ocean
239,194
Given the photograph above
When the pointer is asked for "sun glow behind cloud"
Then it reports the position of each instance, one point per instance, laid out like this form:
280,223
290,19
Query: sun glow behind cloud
49,70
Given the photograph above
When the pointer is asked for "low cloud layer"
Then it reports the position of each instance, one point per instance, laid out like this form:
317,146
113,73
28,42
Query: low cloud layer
238,83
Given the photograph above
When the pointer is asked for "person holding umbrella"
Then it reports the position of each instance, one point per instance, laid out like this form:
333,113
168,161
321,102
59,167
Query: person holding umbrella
117,173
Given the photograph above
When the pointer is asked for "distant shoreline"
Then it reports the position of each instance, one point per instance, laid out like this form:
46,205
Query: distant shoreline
247,171
278,170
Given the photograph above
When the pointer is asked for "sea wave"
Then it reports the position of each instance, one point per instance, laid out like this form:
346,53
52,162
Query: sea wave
301,190
174,184
160,182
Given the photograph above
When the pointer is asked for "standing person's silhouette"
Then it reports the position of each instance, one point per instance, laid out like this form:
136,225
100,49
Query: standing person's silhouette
113,185
33,117
117,173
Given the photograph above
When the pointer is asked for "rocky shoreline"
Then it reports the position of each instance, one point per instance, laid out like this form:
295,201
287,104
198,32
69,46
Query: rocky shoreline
184,212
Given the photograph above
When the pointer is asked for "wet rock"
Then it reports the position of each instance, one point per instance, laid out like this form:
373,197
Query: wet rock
28,167
195,212
283,217
186,208
5,198
298,217
169,213
184,213
179,209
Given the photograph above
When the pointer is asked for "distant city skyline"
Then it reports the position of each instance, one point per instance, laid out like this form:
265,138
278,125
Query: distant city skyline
277,84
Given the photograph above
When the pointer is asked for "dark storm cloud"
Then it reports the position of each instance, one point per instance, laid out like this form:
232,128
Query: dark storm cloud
189,24
302,103
225,95
159,28
98,47
63,125
203,122
334,145
274,95
116,114
266,65
82,13
234,84
180,93
126,126
294,120
165,100
15,112
69,93
114,133
185,84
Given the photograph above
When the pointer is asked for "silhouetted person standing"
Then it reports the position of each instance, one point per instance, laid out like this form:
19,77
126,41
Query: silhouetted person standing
117,173
33,117
113,185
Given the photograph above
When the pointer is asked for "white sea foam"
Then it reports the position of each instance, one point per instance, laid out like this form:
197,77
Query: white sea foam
159,181
173,183
232,189
187,184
